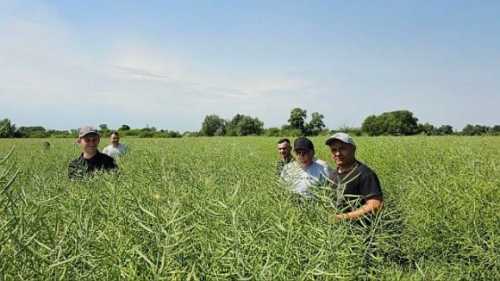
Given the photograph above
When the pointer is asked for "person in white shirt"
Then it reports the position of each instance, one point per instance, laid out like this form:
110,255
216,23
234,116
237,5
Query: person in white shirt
306,171
115,149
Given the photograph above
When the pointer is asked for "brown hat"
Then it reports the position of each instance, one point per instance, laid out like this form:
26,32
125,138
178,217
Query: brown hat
87,130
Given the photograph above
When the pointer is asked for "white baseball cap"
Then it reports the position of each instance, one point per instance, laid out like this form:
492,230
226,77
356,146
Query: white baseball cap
343,137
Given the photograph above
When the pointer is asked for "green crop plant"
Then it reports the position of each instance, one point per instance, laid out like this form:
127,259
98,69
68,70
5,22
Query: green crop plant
212,209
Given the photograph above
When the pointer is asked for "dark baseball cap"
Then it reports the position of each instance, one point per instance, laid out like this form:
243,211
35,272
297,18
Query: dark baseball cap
303,143
87,130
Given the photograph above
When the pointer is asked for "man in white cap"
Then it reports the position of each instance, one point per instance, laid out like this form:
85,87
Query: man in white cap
357,186
90,159
306,171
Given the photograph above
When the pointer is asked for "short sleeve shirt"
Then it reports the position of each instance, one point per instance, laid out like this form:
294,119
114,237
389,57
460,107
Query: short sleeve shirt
115,152
300,180
81,167
353,188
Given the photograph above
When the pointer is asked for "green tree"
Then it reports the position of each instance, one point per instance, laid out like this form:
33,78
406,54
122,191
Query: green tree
475,130
232,126
495,130
373,126
316,125
242,125
104,130
173,134
250,126
297,119
353,131
272,132
288,131
401,122
59,133
32,132
73,132
445,130
213,125
124,127
427,129
7,129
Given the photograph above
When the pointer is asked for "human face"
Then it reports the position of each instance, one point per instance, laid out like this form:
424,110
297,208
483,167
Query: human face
284,149
115,139
89,143
304,157
342,153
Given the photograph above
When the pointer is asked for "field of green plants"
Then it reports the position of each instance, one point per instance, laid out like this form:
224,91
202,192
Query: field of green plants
212,209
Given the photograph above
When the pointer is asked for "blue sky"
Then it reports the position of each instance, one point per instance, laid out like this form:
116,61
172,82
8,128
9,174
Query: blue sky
168,64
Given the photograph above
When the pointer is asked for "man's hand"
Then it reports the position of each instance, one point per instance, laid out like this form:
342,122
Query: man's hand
335,218
371,206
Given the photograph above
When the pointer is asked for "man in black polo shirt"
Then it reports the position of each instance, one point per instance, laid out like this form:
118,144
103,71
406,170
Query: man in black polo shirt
91,159
357,186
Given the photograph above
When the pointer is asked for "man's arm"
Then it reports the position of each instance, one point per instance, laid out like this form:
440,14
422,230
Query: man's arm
372,205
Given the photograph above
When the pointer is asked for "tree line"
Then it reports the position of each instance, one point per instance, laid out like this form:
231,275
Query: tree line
243,125
9,130
394,123
403,123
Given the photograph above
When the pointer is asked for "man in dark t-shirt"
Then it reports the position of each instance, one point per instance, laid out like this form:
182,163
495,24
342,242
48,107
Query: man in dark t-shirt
90,159
356,185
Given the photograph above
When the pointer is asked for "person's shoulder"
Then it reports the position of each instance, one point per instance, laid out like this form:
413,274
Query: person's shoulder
282,162
365,170
322,164
108,161
289,165
122,147
105,157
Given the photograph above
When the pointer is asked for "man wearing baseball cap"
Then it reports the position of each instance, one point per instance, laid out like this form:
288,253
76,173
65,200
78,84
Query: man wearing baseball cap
306,171
357,186
90,159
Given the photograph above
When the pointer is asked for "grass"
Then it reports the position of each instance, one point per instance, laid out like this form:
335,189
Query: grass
211,209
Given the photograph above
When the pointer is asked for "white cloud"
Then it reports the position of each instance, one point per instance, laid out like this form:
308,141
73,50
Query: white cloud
47,76
41,66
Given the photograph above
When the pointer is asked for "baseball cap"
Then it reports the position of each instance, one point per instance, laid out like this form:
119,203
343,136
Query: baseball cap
303,143
343,137
87,130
